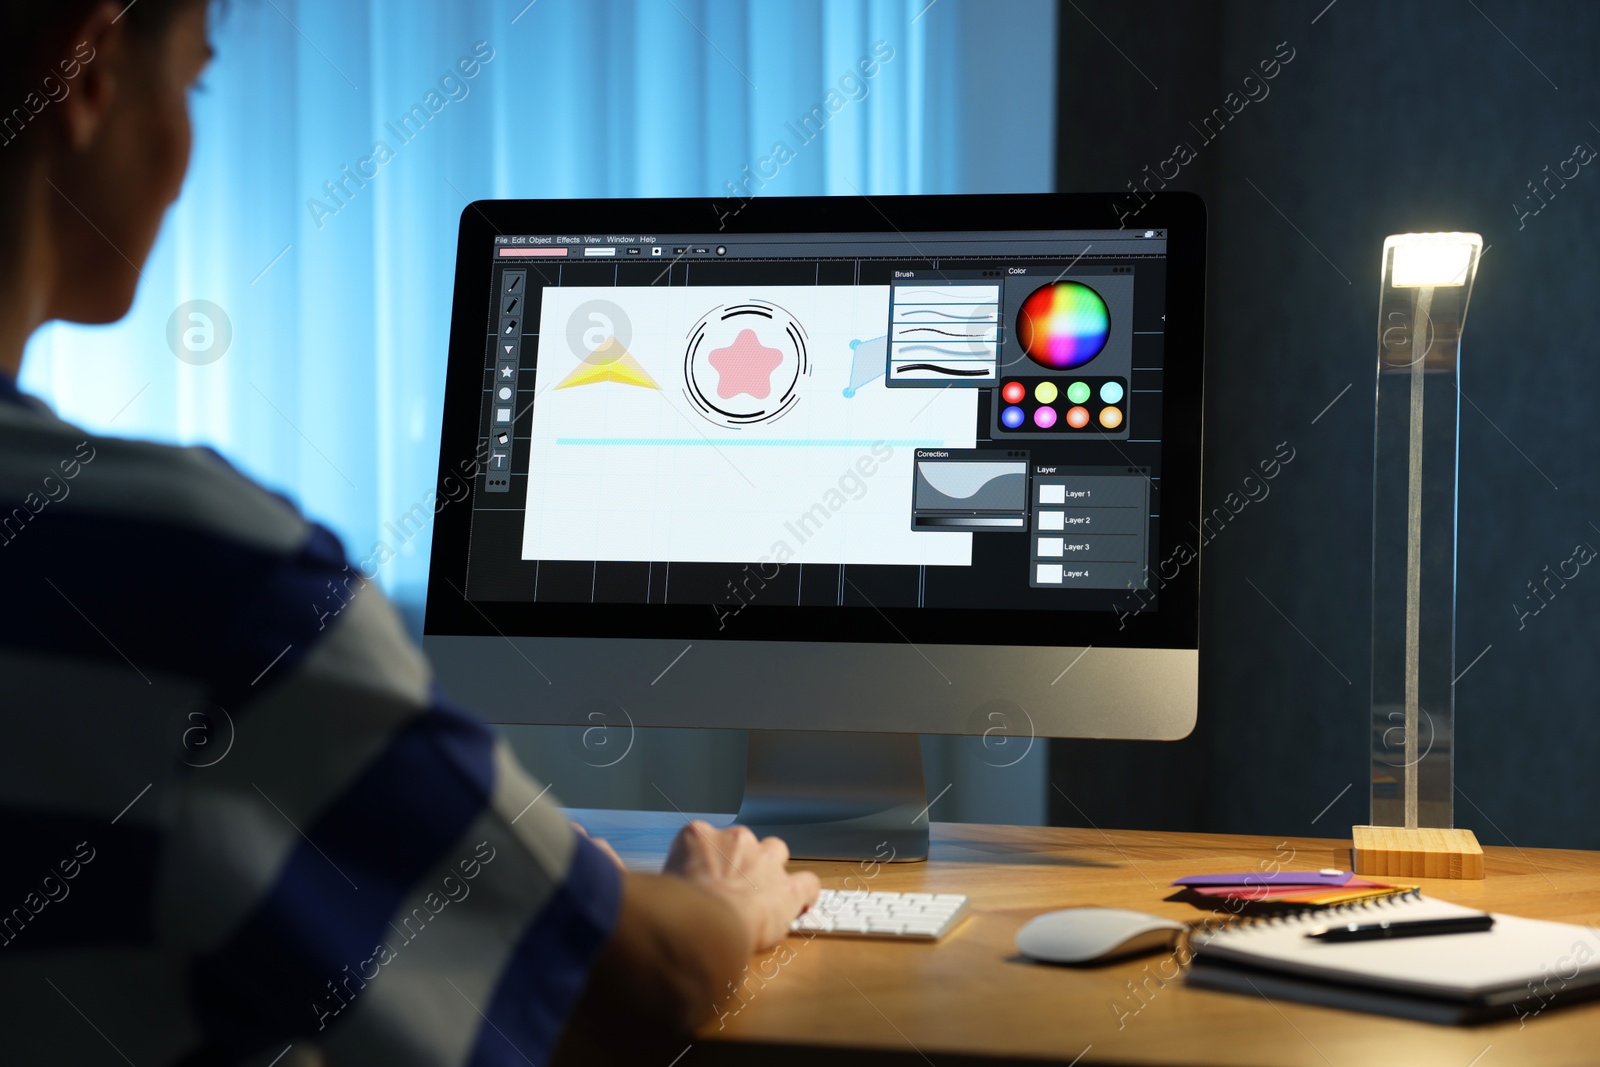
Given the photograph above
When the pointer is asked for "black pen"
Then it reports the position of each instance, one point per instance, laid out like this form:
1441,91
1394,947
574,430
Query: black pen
1416,928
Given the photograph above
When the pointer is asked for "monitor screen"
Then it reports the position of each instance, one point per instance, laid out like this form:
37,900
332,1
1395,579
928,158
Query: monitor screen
954,435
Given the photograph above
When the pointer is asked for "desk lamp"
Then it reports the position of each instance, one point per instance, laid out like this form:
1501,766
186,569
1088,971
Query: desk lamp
1427,281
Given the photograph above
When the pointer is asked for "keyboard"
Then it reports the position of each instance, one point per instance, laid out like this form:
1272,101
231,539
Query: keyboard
898,916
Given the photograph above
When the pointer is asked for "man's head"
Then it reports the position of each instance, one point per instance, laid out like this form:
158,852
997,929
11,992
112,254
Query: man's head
94,143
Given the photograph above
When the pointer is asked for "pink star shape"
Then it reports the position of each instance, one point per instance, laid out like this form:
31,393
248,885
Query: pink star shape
745,366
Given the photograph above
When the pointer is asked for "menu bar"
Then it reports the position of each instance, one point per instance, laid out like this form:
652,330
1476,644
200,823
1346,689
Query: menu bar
908,245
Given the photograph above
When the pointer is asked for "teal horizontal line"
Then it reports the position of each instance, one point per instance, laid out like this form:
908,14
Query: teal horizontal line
750,442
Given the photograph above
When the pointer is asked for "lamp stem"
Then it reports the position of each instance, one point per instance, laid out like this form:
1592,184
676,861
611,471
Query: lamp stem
1420,340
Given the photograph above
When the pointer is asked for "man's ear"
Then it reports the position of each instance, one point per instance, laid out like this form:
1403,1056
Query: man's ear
98,43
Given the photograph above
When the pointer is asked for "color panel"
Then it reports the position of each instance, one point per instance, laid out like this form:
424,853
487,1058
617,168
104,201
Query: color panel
1074,400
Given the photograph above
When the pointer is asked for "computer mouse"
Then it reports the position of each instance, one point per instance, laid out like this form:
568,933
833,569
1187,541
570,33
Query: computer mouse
1094,935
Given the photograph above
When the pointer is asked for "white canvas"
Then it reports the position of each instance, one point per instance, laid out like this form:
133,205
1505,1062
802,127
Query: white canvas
628,471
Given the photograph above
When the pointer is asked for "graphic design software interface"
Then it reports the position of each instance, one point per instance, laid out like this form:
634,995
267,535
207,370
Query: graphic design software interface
926,420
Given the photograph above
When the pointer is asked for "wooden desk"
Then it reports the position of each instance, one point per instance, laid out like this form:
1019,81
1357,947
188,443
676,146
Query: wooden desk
972,1000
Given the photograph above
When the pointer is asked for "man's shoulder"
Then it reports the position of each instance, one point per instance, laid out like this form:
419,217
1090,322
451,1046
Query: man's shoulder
51,466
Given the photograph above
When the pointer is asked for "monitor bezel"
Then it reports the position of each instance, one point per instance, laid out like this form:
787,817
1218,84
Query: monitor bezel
1173,625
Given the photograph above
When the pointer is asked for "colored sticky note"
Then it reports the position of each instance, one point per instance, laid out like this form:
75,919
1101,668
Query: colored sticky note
1315,878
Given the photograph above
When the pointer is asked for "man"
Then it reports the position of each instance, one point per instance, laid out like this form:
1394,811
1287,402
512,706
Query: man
366,876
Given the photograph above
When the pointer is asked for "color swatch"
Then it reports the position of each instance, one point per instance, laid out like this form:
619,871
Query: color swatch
1063,325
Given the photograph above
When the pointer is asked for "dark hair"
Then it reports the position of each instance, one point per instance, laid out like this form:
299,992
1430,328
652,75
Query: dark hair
34,46
38,62
28,23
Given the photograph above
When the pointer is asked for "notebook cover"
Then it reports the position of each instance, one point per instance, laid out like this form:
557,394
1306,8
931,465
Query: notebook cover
1511,960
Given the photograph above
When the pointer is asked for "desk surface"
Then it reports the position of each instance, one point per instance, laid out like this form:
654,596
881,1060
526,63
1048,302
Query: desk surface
971,999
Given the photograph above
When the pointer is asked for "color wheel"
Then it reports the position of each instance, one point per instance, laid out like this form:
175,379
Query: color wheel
1063,325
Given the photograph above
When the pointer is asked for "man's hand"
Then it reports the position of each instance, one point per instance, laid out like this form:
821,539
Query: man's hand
682,939
604,846
750,875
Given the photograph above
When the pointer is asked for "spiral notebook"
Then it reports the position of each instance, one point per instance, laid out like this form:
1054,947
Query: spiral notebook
1519,967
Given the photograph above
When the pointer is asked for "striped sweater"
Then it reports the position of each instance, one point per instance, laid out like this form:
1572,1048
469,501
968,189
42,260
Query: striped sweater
238,830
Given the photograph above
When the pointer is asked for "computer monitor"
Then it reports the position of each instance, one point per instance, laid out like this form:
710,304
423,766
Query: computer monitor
834,470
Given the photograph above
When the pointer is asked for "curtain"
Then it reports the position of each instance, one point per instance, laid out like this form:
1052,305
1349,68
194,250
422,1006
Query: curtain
294,314
337,144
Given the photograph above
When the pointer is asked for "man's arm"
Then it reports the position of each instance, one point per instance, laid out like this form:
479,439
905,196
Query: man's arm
681,938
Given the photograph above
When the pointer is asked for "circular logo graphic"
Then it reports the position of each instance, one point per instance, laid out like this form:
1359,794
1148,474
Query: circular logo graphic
204,735
599,332
199,332
1063,325
1395,738
1007,731
606,737
744,364
1399,346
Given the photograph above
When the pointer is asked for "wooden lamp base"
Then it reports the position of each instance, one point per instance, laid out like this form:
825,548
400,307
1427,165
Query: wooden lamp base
1426,852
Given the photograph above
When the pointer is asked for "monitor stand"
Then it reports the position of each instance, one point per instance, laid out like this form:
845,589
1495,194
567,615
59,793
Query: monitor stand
838,796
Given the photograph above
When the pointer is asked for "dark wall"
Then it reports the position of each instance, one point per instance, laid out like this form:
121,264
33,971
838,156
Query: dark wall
1390,118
